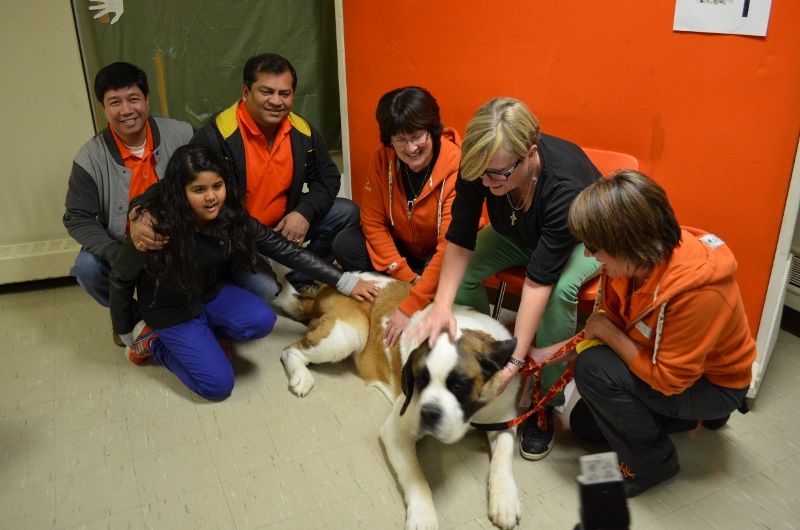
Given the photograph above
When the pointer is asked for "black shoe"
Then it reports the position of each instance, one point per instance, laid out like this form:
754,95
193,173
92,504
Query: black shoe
717,423
535,443
636,483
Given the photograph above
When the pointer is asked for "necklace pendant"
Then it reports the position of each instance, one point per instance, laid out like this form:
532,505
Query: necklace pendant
410,207
513,217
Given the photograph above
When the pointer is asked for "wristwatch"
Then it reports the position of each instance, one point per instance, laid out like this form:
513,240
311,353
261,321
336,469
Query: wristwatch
519,363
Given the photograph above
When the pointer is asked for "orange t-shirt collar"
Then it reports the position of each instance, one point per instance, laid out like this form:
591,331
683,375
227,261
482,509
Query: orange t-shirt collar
143,170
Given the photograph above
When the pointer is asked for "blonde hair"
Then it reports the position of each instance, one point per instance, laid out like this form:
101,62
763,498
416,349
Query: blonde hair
500,123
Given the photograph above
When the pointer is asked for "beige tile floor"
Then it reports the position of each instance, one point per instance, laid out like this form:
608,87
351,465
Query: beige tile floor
90,441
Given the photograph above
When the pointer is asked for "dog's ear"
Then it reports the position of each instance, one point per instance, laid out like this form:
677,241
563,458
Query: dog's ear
407,379
497,354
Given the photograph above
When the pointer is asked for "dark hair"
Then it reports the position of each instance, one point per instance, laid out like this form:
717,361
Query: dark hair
177,262
270,63
119,75
407,110
628,216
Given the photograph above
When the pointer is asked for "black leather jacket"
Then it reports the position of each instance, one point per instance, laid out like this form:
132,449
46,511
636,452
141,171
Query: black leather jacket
163,305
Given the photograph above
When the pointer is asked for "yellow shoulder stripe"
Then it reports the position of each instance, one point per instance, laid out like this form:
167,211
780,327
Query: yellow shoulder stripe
300,124
226,121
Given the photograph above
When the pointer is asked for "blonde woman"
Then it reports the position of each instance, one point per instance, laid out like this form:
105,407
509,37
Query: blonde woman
528,181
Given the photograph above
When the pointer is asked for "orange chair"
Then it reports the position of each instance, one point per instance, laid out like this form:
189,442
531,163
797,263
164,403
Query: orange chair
513,278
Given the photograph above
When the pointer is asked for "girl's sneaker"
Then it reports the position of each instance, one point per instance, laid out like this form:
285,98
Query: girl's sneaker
141,351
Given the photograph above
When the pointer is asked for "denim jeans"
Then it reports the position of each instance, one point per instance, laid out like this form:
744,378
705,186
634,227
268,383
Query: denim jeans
92,274
343,214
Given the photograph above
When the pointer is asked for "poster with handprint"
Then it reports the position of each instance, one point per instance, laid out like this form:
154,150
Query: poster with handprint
113,8
736,17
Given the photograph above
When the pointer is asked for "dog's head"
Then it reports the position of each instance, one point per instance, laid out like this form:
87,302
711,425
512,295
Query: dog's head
454,381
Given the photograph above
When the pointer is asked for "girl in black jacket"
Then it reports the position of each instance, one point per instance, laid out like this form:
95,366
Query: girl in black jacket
184,294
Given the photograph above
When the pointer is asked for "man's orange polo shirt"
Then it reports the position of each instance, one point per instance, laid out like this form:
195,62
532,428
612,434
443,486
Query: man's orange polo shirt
143,170
269,170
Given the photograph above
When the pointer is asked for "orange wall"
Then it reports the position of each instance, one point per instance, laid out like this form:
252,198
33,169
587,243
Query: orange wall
713,118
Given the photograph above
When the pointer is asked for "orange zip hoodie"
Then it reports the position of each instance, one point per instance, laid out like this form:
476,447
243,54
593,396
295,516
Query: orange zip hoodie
385,214
688,316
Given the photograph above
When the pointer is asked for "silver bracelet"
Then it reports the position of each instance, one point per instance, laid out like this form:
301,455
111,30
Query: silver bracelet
519,363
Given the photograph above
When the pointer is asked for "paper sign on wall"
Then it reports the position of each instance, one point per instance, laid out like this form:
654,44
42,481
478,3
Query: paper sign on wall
738,17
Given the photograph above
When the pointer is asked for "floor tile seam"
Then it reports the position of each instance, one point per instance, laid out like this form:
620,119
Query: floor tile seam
781,461
28,375
326,515
227,482
50,481
23,442
326,449
161,499
129,416
787,352
131,442
249,472
793,396
2,353
97,389
18,407
23,321
94,357
549,489
167,449
712,522
90,521
391,483
735,482
105,387
127,429
663,516
35,344
112,513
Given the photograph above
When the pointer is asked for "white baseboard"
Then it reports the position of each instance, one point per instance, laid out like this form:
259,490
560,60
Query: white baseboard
38,260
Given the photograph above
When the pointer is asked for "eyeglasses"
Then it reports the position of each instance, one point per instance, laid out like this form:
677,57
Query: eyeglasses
590,248
400,143
499,175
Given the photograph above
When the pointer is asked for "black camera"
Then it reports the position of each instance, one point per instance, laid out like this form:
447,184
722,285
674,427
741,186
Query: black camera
602,496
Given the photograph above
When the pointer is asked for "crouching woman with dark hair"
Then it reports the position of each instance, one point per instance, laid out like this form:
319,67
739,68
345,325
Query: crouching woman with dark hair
184,294
677,345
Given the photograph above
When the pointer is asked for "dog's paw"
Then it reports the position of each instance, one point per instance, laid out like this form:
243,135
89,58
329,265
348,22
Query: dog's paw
505,510
421,517
300,379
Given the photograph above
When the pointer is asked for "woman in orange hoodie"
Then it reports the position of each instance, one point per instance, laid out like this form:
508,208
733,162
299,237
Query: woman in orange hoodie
676,340
405,205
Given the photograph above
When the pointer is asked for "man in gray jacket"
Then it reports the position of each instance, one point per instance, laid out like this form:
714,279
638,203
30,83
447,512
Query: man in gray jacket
119,163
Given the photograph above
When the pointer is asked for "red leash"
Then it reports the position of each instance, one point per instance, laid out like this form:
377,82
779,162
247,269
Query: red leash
538,405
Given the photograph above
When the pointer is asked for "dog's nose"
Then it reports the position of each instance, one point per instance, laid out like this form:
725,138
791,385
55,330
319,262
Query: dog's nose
430,414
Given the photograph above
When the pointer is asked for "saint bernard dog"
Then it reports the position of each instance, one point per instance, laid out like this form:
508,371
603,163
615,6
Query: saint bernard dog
436,391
